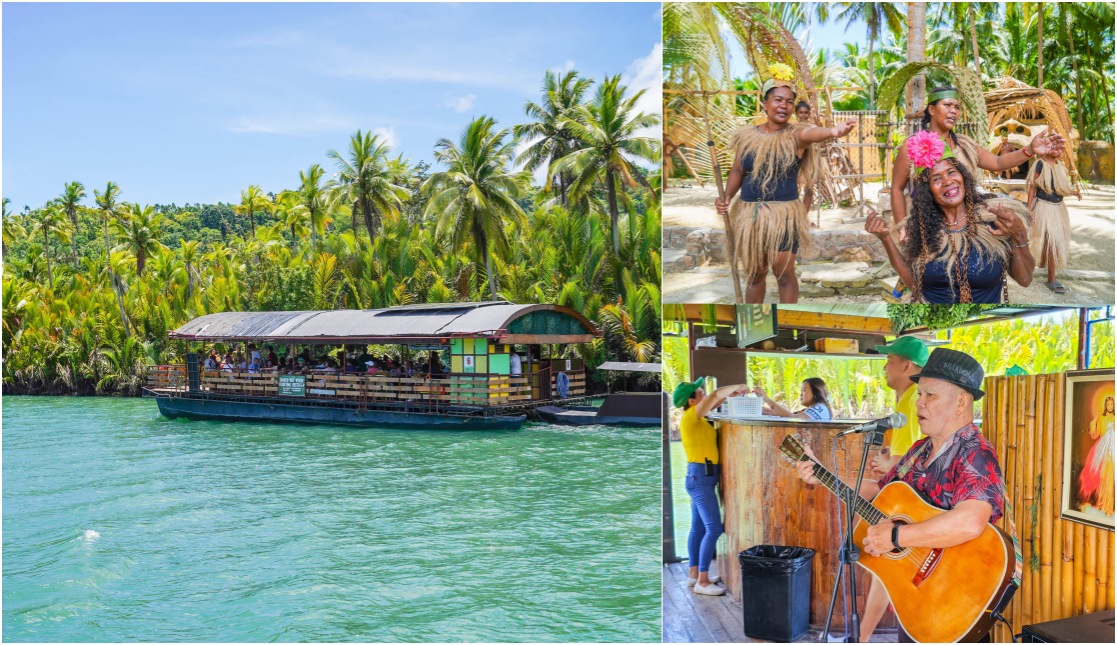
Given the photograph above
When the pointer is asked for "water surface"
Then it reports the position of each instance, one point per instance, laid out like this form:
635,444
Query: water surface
120,525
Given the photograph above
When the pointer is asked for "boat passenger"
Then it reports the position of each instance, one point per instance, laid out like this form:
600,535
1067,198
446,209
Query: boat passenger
254,356
273,358
516,364
211,361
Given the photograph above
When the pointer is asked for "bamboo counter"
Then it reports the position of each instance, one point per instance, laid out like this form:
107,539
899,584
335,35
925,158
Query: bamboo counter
767,503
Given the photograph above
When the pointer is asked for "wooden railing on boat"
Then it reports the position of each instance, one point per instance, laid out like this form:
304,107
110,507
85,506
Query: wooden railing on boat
458,389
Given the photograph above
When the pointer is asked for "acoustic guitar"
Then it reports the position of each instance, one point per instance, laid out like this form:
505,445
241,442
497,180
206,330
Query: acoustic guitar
940,595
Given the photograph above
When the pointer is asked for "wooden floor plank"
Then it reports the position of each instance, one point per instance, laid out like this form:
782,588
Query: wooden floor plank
692,618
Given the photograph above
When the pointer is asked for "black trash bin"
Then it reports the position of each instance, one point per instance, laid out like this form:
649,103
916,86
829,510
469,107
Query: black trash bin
776,591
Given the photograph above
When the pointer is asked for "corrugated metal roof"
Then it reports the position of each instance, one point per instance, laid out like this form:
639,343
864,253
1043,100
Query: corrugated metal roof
407,322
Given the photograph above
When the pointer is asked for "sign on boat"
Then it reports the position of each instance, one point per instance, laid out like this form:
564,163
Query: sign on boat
478,390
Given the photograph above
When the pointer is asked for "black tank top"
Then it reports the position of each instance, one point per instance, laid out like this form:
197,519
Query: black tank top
1053,198
787,183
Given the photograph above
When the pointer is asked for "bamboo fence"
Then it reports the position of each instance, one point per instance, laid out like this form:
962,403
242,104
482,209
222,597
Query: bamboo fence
1068,566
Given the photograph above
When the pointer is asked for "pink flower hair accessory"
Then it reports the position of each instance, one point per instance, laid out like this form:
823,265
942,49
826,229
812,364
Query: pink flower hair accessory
925,149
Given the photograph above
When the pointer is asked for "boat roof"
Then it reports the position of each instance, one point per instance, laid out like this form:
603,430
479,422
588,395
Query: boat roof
618,366
508,323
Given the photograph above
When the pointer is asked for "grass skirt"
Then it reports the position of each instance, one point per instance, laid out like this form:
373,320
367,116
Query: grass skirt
760,227
1050,233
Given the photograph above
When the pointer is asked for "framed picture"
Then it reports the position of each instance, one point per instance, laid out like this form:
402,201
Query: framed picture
1088,436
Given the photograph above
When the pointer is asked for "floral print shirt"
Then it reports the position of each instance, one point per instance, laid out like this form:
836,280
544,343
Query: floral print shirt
966,468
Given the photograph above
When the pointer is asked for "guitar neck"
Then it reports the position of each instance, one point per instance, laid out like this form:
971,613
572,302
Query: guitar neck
862,506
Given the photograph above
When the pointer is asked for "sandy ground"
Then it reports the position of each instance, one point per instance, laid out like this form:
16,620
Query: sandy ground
1089,278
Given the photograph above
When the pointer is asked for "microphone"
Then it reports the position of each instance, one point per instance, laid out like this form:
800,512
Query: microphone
894,420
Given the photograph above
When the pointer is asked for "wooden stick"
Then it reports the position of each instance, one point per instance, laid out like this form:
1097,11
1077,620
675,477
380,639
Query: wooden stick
1046,521
1109,575
1014,403
730,236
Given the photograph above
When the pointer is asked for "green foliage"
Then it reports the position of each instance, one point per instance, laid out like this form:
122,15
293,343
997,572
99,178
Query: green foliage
930,316
284,288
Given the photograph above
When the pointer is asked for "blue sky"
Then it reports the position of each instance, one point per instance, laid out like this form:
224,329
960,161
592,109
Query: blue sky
186,103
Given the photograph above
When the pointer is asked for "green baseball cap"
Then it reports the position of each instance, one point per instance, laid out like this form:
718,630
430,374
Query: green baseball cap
684,390
908,347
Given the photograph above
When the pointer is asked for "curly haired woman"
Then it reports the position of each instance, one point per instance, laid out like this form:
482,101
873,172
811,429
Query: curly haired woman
944,107
773,161
960,245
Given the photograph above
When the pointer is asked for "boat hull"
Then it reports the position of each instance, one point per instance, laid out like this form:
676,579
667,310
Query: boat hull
585,416
221,410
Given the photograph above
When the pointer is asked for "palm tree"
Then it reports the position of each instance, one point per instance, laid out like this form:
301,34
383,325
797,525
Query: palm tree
314,197
607,147
109,209
477,192
140,233
876,16
189,251
561,95
52,224
293,216
253,200
365,182
73,193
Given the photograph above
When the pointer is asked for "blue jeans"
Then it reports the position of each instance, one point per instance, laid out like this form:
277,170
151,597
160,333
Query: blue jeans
705,518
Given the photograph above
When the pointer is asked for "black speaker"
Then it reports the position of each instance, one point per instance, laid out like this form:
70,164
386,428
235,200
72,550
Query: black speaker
1087,628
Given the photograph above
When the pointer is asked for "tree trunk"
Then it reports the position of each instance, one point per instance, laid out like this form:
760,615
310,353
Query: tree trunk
112,280
872,78
74,240
489,271
252,220
1077,80
141,260
313,234
46,254
614,216
1039,6
973,37
917,52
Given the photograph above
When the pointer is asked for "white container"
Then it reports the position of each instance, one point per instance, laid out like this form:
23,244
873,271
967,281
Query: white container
744,406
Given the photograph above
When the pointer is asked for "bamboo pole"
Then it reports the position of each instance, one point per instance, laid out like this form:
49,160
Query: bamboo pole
1109,573
1014,402
1024,447
1046,521
1102,598
1056,449
1090,572
1079,568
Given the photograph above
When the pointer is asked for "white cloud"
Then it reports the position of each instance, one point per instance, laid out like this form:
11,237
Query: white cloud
293,124
564,68
462,103
307,123
388,136
647,74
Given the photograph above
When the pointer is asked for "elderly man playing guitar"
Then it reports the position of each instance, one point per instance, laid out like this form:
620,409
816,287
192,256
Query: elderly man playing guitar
956,470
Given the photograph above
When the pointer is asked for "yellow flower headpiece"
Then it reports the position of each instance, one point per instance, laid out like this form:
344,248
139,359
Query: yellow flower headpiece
781,72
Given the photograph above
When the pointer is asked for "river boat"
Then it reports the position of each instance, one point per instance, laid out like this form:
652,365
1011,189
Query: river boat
477,390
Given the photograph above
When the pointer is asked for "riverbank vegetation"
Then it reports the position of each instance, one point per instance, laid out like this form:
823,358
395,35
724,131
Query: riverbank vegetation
92,283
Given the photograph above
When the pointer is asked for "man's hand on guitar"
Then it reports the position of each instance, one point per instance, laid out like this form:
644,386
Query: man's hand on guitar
806,468
878,540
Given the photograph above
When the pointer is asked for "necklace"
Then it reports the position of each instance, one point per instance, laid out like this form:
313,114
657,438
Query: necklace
955,227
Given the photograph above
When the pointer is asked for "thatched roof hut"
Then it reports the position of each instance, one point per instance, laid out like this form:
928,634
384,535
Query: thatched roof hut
1015,100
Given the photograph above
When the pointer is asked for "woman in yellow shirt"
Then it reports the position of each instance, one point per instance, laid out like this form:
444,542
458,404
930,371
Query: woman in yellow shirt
703,472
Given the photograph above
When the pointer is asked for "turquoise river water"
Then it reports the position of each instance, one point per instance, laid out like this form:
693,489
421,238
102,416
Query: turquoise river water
121,525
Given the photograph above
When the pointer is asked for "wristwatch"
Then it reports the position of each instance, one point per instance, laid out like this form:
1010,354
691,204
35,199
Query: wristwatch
896,536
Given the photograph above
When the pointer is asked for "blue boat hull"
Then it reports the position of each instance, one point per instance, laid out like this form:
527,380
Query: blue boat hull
218,410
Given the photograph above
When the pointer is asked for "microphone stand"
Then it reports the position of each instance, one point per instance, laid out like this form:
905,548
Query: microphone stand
848,553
